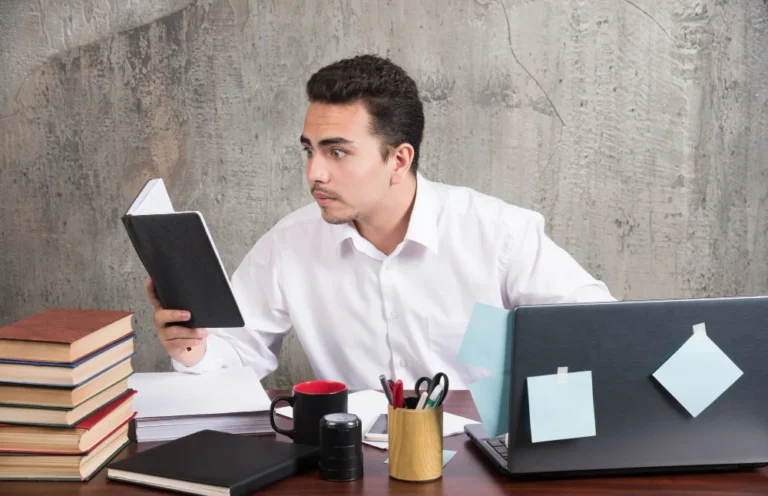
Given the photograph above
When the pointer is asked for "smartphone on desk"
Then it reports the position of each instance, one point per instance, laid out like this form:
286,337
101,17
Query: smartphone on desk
378,430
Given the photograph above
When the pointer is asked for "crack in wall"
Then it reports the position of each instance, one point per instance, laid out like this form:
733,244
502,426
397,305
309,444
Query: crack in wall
514,55
649,16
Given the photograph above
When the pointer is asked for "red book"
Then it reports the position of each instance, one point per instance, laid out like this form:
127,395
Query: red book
79,439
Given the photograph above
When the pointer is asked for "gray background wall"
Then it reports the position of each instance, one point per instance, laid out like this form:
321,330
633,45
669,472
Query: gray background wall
639,128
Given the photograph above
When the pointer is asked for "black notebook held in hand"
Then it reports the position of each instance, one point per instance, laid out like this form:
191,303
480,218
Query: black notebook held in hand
215,463
180,257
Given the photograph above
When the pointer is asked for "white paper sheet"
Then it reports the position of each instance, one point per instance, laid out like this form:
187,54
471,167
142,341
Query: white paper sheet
152,199
170,394
367,405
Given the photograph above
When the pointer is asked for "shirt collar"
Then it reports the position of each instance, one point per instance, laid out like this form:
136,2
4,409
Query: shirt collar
422,227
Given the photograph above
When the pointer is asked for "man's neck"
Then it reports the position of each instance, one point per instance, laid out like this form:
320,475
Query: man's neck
386,228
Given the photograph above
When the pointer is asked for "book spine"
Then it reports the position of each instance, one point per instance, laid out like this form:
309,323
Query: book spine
140,252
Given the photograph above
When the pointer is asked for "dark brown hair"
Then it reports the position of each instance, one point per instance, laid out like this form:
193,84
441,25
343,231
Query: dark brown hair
389,94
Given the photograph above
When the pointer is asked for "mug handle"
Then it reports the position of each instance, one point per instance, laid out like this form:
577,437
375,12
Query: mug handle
287,399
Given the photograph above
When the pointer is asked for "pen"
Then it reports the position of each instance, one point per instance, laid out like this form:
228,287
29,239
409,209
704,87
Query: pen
422,401
397,394
387,390
435,396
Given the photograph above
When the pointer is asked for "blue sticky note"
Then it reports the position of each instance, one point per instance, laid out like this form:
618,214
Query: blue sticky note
447,455
487,340
561,406
487,344
698,373
491,397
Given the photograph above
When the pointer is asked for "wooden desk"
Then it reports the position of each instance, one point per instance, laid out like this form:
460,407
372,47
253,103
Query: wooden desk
467,473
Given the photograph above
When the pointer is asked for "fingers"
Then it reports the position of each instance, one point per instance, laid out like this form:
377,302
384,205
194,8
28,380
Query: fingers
176,339
165,317
175,333
153,295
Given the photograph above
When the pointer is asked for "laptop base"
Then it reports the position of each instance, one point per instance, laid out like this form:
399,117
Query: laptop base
495,449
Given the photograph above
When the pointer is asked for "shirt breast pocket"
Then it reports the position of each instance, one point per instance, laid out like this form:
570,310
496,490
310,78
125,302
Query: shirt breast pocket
445,338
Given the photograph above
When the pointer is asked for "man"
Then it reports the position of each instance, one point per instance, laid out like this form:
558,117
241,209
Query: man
380,273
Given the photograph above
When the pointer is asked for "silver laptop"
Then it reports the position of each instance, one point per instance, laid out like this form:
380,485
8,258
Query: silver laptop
640,427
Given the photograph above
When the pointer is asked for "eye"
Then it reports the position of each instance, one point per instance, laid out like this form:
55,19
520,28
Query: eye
308,151
338,153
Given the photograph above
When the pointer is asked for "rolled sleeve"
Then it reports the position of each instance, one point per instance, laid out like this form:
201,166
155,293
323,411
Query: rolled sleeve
535,270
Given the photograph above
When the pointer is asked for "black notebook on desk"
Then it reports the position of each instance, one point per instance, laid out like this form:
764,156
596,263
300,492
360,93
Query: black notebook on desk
214,463
180,257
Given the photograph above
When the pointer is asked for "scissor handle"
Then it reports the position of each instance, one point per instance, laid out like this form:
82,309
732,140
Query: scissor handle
436,380
419,382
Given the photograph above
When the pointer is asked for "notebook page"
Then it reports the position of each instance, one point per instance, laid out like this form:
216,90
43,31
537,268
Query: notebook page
153,199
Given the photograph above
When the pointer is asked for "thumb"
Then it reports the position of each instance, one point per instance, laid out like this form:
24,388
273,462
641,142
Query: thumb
153,295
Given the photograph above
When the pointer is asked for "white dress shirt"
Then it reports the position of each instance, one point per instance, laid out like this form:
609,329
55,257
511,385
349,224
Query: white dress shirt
359,313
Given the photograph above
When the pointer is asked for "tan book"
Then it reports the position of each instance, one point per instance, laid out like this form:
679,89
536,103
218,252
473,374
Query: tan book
64,374
62,335
78,439
52,397
63,467
61,417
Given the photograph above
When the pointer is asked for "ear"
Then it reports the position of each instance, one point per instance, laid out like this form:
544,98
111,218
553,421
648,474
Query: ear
400,160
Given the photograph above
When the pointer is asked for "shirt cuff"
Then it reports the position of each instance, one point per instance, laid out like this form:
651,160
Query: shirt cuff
217,348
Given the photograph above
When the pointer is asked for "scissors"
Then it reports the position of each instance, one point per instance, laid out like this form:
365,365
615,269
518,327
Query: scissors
431,384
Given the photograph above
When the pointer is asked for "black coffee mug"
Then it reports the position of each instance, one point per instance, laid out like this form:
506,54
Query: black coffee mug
311,401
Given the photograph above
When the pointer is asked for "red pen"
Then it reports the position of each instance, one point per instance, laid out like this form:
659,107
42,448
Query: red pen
398,394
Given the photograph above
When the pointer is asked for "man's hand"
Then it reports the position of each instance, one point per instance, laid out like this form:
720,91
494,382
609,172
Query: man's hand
183,344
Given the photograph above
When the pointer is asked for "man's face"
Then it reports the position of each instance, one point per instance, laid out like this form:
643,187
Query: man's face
345,170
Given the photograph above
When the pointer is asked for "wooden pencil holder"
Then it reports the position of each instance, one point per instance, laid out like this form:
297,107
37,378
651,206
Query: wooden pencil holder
415,443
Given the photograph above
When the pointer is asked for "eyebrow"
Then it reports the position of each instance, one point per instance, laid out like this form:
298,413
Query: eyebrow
327,141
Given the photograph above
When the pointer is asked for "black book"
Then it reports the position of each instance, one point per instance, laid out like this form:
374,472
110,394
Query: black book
178,252
214,463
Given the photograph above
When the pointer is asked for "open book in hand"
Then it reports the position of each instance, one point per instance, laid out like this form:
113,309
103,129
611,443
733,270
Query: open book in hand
179,255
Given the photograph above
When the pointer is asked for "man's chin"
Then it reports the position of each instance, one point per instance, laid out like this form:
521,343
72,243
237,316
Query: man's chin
336,219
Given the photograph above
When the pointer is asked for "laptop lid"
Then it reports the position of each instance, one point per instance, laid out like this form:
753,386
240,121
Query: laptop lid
639,424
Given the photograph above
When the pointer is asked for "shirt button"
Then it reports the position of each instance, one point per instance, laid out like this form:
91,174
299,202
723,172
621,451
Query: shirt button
403,362
393,315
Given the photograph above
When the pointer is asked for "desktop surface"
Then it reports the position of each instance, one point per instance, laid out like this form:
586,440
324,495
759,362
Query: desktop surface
469,472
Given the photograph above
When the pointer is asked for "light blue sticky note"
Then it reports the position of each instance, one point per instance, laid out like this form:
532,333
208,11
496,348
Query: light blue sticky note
447,455
487,341
698,373
487,344
561,406
491,397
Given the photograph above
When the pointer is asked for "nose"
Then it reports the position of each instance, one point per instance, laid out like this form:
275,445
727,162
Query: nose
317,170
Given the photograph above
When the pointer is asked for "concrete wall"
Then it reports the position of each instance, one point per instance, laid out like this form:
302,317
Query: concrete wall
639,128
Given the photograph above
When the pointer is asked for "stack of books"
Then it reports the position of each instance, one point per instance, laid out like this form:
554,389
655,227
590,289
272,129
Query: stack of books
65,403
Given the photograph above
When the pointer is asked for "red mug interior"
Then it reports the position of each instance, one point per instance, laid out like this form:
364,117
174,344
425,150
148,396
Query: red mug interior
320,387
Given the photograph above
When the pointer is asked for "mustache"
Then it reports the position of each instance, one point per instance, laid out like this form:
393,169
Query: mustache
319,189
